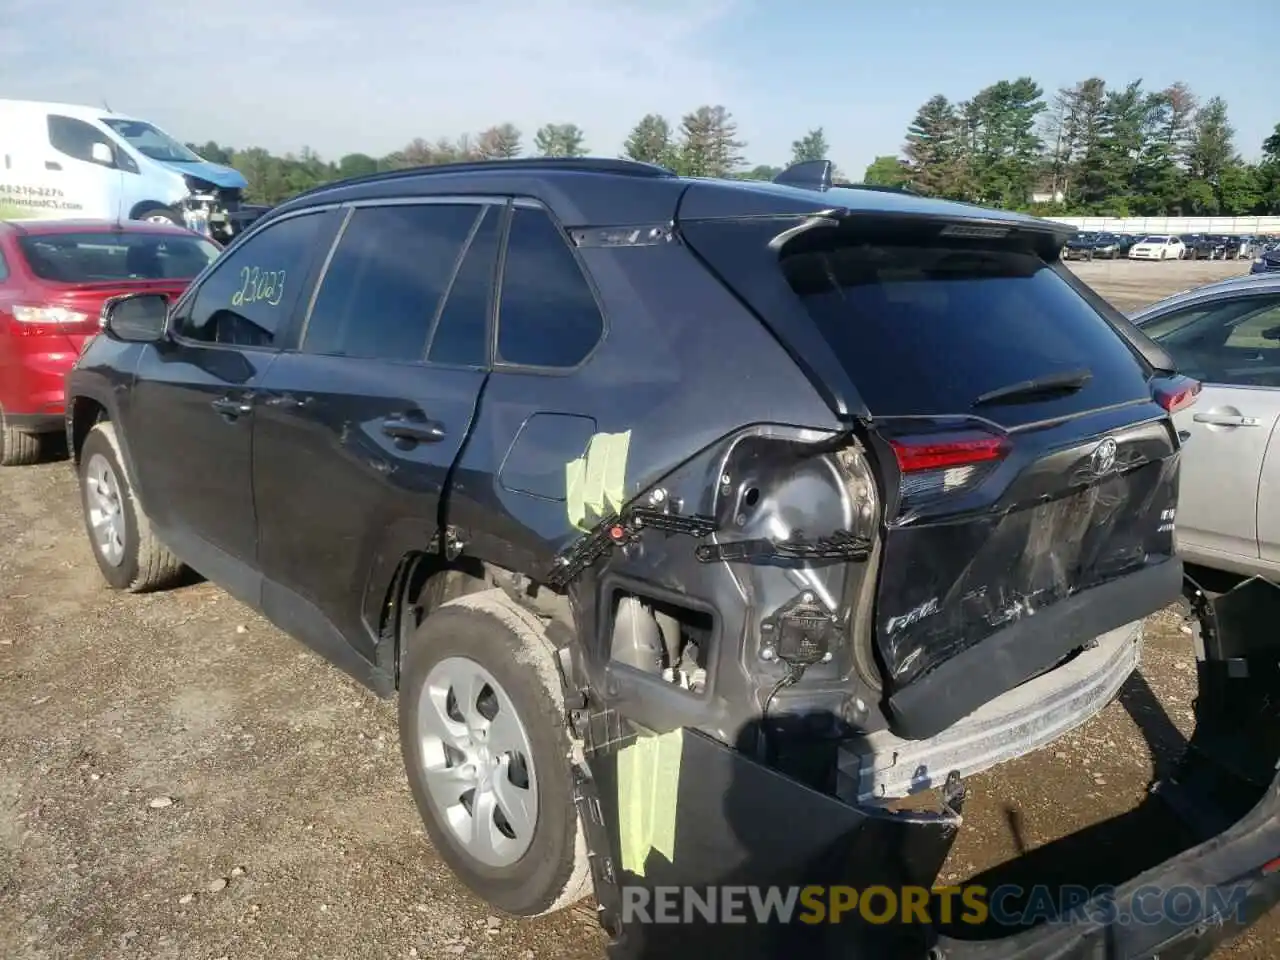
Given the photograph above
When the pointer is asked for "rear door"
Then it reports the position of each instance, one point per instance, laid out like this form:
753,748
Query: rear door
1231,344
359,426
1029,473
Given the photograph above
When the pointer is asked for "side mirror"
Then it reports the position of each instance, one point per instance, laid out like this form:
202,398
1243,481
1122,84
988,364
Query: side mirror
102,153
136,317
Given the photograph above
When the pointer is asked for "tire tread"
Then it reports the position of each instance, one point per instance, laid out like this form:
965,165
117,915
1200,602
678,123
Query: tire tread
18,448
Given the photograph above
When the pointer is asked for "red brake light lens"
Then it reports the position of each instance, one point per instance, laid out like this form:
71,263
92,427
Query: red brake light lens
1178,394
934,454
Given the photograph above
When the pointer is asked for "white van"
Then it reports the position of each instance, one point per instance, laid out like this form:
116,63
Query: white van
60,160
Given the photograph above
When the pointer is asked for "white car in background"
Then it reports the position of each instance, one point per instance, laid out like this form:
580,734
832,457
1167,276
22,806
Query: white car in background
1160,247
1227,336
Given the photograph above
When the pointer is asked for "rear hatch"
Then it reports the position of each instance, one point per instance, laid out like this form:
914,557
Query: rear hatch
1028,462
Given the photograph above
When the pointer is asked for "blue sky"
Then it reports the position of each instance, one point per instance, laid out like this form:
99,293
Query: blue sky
368,75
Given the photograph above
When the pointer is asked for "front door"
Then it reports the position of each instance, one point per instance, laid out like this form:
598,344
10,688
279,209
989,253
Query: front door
82,184
195,400
1233,346
358,429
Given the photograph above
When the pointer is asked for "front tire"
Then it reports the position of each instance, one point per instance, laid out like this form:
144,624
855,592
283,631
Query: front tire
486,750
128,553
161,215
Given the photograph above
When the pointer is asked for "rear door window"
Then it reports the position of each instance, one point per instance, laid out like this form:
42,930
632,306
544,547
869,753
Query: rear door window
927,329
387,279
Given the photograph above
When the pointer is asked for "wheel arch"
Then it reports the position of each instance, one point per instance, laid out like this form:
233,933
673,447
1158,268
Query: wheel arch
83,414
424,580
143,207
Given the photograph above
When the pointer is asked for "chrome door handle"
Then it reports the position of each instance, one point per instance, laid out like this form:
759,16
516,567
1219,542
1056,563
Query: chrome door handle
1225,420
231,408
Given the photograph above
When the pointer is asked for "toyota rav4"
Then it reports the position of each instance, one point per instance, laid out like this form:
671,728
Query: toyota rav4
692,520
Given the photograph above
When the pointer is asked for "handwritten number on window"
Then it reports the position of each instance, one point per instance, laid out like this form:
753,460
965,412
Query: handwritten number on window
259,286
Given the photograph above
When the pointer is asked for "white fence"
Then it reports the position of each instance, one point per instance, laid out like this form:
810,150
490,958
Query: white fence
1242,226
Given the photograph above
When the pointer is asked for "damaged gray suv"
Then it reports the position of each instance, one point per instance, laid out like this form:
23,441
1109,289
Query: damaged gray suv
692,521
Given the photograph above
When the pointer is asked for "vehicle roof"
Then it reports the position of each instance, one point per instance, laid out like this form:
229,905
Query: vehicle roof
35,227
1249,283
603,192
78,111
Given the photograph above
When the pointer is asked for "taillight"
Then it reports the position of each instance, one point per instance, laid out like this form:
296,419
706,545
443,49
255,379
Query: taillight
945,464
50,315
36,321
1177,394
935,454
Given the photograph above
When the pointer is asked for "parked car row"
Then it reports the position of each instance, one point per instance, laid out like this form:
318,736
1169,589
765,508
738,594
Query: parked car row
494,439
1111,246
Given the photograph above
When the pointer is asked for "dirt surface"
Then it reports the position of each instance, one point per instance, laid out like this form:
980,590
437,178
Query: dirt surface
180,780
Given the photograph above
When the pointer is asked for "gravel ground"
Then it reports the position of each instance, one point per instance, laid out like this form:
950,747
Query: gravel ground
180,780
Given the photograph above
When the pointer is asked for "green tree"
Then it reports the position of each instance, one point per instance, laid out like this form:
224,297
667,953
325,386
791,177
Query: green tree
761,172
1269,174
1005,148
708,143
559,140
498,143
357,165
935,150
887,171
650,142
812,146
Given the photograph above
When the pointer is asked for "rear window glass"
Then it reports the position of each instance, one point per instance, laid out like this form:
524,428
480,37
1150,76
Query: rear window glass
926,330
102,257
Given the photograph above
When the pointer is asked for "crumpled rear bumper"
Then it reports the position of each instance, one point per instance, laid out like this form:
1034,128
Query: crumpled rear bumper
736,826
1239,868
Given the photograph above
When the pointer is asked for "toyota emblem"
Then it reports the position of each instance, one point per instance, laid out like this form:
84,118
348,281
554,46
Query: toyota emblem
1103,460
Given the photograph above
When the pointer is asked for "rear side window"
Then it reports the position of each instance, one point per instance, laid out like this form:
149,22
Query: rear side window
249,295
387,279
4,268
105,257
548,316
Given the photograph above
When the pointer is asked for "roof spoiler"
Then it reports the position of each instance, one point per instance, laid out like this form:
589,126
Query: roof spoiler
809,175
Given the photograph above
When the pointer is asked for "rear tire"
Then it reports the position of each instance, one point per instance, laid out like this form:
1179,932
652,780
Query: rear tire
17,447
487,644
128,553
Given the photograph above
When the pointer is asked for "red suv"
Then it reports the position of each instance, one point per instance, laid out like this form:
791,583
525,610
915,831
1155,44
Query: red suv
54,278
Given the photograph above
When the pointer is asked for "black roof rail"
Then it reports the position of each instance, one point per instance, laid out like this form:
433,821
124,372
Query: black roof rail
809,175
630,168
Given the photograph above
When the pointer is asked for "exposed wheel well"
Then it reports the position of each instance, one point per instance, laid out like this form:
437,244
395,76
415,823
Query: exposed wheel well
85,412
424,581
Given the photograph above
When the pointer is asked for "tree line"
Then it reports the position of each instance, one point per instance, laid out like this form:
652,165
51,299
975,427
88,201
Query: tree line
704,143
1090,149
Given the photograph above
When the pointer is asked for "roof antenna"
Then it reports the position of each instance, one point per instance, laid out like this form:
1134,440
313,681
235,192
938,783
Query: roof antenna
808,174
106,106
